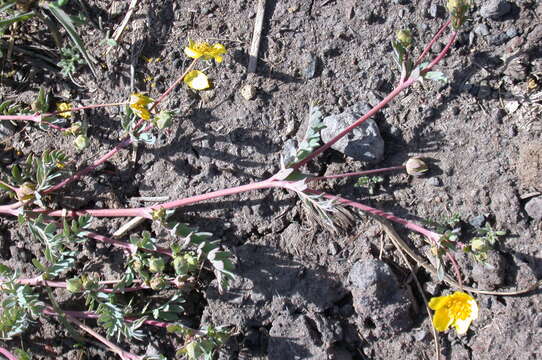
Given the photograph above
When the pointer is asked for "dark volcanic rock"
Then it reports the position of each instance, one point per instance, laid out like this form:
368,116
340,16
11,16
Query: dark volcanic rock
379,300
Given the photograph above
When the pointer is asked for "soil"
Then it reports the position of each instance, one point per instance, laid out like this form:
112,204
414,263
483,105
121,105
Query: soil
302,292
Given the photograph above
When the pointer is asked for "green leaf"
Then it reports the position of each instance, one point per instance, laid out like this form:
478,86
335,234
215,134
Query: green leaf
16,174
19,17
5,270
436,76
61,3
39,265
65,20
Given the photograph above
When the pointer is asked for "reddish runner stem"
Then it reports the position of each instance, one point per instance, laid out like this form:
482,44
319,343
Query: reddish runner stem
7,354
113,347
358,173
378,107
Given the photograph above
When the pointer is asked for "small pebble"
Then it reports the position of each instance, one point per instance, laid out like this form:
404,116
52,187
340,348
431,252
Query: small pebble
248,92
433,181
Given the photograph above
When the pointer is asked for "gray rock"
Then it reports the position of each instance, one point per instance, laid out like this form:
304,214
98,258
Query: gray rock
6,129
364,143
497,39
309,70
481,29
512,32
478,221
495,9
534,208
434,11
378,298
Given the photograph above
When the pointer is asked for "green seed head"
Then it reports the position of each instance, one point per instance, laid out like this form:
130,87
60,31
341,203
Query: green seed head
404,37
416,167
156,264
74,285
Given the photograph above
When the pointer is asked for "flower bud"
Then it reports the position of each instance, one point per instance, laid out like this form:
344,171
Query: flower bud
157,283
163,120
478,244
156,264
180,265
26,191
74,285
137,265
458,10
404,37
81,142
416,167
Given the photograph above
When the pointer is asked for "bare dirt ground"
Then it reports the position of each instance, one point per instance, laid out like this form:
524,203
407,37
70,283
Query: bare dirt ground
302,292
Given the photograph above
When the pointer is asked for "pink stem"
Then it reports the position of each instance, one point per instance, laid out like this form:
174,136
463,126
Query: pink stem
37,117
125,142
358,173
113,347
457,270
92,315
146,211
357,123
432,42
86,107
131,248
38,281
11,209
409,225
377,108
172,87
7,354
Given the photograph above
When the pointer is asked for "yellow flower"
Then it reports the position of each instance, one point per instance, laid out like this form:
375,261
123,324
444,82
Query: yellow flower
457,310
138,104
197,80
63,106
205,50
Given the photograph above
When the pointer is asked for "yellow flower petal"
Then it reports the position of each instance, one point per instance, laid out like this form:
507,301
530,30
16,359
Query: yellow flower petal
437,302
461,326
191,53
141,111
63,106
197,80
458,310
442,320
141,99
205,50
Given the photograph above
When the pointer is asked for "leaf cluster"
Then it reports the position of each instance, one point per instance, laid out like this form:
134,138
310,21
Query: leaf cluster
20,305
57,241
13,11
202,345
35,175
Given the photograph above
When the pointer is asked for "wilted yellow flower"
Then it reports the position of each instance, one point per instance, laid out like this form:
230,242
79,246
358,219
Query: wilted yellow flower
138,104
205,50
197,80
457,310
63,106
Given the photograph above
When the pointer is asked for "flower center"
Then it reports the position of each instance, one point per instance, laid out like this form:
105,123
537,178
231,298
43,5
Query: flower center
459,309
203,48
